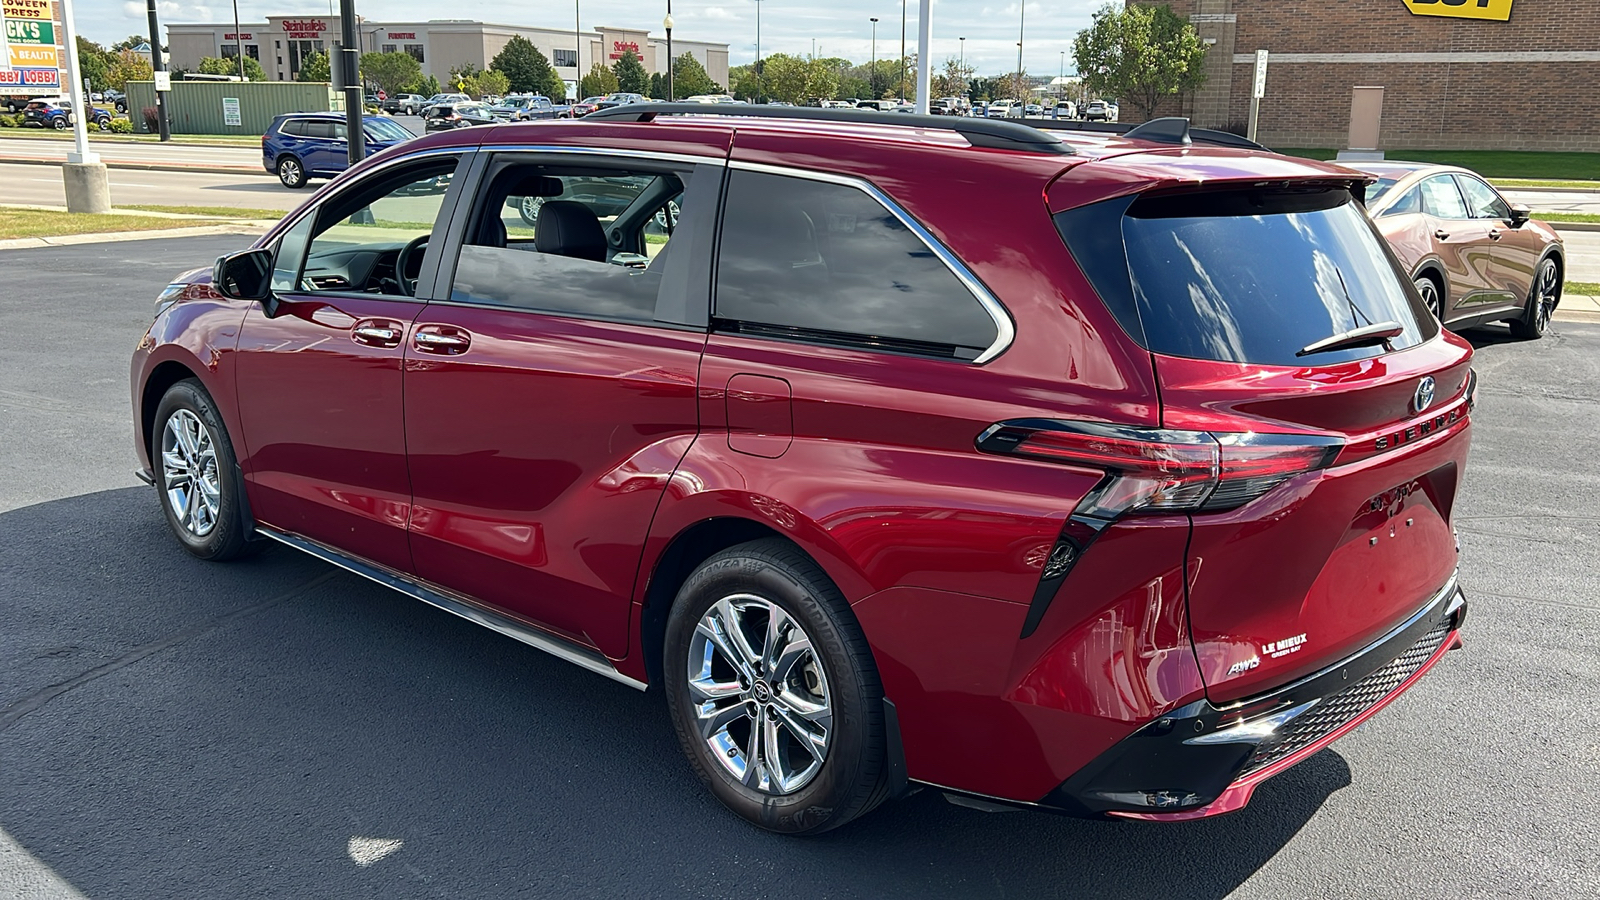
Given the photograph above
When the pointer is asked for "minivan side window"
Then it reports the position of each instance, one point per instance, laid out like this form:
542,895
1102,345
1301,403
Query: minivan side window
583,240
826,262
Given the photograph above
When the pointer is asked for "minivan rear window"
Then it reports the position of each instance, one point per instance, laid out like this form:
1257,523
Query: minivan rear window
1250,276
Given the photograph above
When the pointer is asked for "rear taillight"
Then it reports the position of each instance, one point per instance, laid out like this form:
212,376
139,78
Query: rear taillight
1150,471
1157,470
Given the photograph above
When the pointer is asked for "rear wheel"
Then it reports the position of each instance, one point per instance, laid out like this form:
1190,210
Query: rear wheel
291,172
194,474
1431,295
60,123
773,692
1543,295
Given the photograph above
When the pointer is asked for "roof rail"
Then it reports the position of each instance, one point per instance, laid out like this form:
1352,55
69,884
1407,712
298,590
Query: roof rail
989,133
1197,135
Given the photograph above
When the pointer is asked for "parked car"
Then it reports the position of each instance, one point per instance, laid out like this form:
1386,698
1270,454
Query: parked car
1064,109
618,99
118,100
713,98
301,146
442,98
457,115
1001,109
404,104
522,109
1120,522
1473,257
950,106
57,114
585,106
1100,111
1033,109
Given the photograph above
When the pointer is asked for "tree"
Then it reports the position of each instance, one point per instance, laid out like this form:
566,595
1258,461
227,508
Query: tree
130,66
130,42
658,86
227,65
631,76
527,69
463,79
1140,54
396,73
94,62
554,87
313,67
689,78
953,81
430,86
599,82
493,83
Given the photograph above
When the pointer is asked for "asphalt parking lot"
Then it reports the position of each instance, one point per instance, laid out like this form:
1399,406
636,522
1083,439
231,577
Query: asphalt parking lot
279,728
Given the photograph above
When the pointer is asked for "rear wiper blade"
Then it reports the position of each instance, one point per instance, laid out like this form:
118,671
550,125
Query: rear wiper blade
1366,335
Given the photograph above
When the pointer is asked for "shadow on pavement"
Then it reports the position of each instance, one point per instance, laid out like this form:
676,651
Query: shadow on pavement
279,728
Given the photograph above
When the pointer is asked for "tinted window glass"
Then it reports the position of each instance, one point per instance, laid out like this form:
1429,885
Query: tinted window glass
541,242
385,130
1377,189
318,128
1482,200
1253,277
296,127
829,262
1441,199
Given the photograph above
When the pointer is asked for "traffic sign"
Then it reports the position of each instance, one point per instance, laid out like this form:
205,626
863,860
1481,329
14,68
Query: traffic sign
1261,75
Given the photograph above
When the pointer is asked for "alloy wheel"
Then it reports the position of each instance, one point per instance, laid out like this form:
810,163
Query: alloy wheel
289,173
1430,296
189,472
1548,292
760,692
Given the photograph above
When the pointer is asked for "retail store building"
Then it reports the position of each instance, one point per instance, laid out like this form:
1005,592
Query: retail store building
283,42
1523,82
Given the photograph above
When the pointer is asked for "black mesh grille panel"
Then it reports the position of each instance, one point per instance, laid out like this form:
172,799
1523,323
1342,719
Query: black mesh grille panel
1337,709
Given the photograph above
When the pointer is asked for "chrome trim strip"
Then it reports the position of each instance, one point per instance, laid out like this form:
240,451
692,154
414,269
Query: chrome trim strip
610,152
1005,331
1450,590
1253,731
582,657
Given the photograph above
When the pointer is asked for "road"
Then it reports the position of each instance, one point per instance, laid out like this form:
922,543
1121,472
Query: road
278,728
245,157
42,185
1557,201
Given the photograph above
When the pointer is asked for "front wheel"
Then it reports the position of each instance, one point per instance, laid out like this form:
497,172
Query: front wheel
194,474
292,173
1543,295
1429,291
773,692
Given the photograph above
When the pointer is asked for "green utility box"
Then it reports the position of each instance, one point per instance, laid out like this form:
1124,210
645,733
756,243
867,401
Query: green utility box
228,107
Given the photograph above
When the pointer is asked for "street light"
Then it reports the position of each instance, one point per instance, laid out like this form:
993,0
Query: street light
962,65
902,51
872,74
238,42
667,23
760,82
1022,22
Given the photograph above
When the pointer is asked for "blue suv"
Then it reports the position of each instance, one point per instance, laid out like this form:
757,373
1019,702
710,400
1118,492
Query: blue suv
301,146
57,114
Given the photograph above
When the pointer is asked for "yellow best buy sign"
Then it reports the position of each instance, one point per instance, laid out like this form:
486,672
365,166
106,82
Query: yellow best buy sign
1496,10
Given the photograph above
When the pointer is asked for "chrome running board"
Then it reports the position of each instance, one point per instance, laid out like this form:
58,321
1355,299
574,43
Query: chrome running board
577,654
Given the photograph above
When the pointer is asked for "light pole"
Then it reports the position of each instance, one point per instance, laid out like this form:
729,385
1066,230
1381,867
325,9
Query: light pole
157,65
962,65
872,74
760,82
902,51
667,23
238,42
1022,22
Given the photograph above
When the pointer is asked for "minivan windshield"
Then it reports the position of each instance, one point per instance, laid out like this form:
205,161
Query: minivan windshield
1250,276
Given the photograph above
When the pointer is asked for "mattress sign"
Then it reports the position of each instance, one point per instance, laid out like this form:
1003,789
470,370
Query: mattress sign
1494,10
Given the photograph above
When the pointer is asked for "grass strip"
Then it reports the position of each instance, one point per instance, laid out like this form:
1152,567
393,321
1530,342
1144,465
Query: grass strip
31,223
1586,288
1567,217
50,134
226,212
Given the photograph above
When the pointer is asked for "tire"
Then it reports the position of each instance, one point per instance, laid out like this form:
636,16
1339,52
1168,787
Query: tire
1543,295
829,689
292,172
1431,294
194,475
60,123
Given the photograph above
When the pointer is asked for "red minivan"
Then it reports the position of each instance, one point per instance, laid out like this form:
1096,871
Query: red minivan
1108,474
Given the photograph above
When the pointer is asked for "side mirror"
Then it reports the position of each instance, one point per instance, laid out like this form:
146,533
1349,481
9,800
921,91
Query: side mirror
246,275
1520,214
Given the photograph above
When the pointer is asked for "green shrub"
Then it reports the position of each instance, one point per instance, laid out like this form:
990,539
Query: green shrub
121,126
10,120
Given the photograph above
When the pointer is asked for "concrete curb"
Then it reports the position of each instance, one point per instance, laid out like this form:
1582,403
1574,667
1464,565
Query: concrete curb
109,237
1572,226
1546,190
1575,315
147,167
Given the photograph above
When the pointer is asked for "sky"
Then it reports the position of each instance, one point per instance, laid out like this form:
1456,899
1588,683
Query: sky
839,27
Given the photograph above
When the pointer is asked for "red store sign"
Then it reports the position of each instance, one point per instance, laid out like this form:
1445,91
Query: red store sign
304,28
402,35
618,48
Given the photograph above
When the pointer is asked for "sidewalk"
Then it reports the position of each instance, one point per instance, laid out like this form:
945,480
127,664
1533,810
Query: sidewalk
1578,308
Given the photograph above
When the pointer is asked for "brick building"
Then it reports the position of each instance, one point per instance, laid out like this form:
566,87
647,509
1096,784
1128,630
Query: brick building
1524,84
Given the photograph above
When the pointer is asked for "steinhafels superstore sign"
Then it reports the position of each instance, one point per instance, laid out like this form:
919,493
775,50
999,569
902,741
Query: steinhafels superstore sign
30,47
1494,10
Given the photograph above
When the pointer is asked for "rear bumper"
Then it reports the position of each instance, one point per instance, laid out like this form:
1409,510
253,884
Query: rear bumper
1203,760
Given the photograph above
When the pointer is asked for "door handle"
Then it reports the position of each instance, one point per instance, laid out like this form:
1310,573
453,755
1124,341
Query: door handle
1441,234
376,334
436,339
1494,234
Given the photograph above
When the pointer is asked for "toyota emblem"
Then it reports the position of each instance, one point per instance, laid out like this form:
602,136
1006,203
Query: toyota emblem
1424,395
